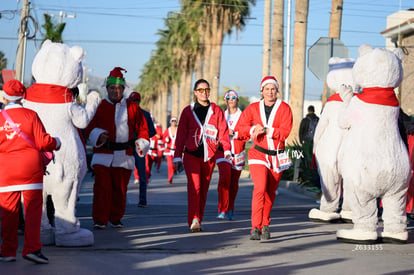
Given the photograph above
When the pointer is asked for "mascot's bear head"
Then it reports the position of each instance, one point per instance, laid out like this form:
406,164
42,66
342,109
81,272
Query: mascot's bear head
58,64
340,72
377,67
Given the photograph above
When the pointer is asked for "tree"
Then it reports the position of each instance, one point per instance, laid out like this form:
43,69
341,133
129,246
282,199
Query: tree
298,66
53,31
277,43
3,61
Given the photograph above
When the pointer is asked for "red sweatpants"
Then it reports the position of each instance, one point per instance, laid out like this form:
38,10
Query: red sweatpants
109,193
171,168
10,203
265,183
198,181
148,167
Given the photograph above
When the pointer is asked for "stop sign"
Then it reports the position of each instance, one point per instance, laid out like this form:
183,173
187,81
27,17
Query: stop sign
320,52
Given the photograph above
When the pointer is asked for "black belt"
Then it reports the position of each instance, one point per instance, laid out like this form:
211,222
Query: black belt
268,152
117,146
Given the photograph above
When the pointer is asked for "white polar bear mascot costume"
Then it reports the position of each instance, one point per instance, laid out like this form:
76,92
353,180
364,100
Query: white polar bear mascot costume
57,68
373,159
327,140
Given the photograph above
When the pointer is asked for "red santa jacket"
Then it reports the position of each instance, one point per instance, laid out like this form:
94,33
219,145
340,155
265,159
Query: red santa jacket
169,142
21,165
191,133
119,121
278,126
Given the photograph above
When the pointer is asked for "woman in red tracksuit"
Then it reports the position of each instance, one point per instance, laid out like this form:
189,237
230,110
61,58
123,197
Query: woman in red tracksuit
201,127
268,123
169,142
21,170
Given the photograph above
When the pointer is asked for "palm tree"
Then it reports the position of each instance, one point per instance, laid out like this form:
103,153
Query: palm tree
267,38
298,66
3,61
224,15
53,31
277,43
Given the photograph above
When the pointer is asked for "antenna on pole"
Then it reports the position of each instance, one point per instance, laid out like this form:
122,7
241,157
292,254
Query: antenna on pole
62,15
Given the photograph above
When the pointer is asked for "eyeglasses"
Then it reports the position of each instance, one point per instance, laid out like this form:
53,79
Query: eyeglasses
203,90
231,97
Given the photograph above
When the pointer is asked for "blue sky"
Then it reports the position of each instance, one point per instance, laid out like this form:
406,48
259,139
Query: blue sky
124,35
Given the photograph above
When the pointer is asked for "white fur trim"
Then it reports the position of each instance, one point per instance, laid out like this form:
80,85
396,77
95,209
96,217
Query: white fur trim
10,97
21,187
260,162
94,136
143,145
269,81
252,130
270,131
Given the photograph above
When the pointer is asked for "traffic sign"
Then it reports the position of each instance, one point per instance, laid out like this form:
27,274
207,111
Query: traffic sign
320,52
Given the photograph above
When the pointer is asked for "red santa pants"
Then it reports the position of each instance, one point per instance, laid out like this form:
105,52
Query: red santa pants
149,162
171,168
223,185
265,183
109,193
198,181
234,187
10,203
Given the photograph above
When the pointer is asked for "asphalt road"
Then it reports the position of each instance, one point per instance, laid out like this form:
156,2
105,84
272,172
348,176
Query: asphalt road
157,240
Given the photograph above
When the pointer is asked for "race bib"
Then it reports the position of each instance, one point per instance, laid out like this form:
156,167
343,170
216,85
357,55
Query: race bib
239,159
283,161
210,132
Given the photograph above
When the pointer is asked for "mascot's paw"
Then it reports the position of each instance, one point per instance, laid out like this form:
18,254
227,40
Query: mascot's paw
317,215
357,236
93,98
346,216
395,238
83,237
47,236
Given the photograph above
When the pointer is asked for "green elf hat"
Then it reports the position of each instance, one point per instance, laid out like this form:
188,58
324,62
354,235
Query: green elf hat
116,77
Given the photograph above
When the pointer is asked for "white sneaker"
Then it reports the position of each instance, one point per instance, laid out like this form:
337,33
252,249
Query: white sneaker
195,226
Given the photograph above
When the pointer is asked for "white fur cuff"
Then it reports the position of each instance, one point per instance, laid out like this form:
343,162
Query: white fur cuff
94,136
142,146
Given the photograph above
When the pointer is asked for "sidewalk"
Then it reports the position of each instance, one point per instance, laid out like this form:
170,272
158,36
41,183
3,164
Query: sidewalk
157,240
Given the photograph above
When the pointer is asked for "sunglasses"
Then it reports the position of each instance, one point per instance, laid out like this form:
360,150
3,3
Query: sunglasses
202,90
231,97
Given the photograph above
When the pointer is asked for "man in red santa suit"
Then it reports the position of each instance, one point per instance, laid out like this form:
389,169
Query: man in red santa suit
22,171
201,127
169,143
111,132
268,123
230,170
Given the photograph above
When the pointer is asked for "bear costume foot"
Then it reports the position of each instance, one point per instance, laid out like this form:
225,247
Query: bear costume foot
83,237
357,236
346,216
47,236
317,215
395,238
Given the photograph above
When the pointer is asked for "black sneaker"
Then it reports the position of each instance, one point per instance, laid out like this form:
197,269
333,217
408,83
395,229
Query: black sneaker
99,225
7,259
142,205
265,232
37,257
117,224
255,235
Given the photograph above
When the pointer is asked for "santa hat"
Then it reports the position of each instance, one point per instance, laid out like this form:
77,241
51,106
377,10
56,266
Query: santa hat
116,77
173,118
230,93
135,96
268,80
13,90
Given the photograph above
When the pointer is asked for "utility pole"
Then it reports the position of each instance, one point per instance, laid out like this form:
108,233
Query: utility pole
21,50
